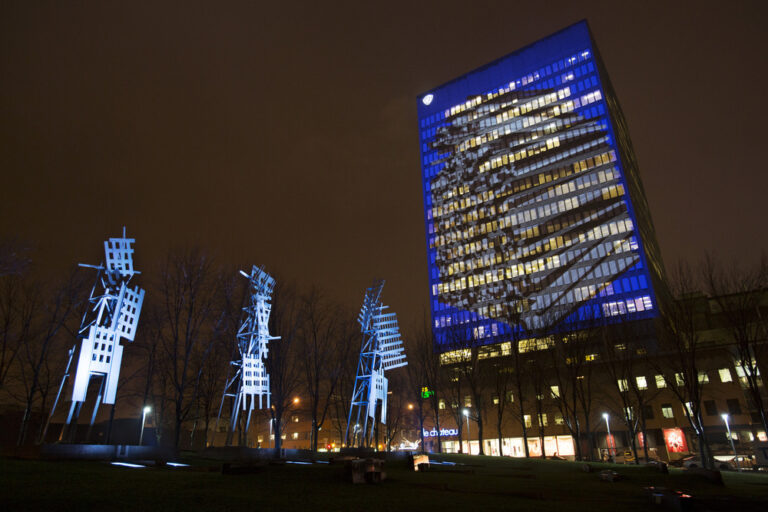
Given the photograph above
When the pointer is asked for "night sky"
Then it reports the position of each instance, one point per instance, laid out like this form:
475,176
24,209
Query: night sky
286,135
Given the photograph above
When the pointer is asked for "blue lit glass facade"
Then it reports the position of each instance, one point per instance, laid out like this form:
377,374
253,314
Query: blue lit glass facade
534,210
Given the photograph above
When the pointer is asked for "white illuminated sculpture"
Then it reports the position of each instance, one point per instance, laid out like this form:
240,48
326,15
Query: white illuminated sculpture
113,315
381,349
251,380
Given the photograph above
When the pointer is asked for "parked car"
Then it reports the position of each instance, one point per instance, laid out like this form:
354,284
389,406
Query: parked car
721,462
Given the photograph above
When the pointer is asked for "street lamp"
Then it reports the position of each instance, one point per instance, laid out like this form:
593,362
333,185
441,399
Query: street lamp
609,438
147,410
730,438
466,415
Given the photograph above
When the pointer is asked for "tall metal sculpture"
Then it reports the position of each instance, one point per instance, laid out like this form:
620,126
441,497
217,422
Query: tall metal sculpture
113,314
381,349
251,379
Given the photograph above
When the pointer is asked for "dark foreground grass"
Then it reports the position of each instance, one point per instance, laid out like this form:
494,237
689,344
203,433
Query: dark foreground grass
483,483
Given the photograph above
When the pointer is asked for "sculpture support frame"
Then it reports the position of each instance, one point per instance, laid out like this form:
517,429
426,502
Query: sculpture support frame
251,380
381,350
113,315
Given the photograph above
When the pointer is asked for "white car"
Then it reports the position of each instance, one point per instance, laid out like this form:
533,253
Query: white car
722,462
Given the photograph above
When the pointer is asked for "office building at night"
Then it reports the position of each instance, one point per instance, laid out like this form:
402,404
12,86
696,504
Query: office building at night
535,214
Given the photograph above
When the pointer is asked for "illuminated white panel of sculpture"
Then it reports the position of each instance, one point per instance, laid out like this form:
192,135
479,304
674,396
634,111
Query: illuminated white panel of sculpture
251,380
381,349
114,315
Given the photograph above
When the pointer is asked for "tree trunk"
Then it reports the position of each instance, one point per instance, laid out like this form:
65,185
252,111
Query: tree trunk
590,439
480,432
498,430
525,430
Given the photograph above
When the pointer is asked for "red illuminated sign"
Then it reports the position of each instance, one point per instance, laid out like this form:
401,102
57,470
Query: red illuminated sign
675,440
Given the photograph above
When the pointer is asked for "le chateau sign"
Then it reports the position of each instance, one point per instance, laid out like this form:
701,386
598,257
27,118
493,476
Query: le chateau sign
444,432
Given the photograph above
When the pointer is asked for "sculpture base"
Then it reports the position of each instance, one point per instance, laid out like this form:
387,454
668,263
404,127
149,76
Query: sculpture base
65,451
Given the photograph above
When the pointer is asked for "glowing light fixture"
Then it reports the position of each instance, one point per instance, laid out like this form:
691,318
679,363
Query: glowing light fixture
730,438
127,465
427,99
147,410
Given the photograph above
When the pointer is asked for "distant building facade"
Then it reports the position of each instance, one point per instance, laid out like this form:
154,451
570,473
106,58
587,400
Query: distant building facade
534,209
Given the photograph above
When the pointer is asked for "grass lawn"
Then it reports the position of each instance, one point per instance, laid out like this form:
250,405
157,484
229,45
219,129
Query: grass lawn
482,483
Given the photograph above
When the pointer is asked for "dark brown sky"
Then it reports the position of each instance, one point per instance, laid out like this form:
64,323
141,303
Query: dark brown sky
286,135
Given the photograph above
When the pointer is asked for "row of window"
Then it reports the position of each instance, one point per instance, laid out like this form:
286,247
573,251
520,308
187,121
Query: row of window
527,79
642,383
733,407
521,185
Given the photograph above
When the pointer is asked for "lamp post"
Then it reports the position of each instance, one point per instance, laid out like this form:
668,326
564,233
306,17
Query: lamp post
608,439
147,409
730,438
466,415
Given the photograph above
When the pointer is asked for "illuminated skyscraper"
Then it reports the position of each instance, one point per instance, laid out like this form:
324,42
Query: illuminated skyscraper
534,208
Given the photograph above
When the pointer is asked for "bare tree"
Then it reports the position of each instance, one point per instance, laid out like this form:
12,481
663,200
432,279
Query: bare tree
37,354
740,293
539,386
624,355
188,291
572,355
457,357
348,338
283,363
503,378
467,368
397,404
678,358
415,383
521,370
425,362
322,353
17,309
